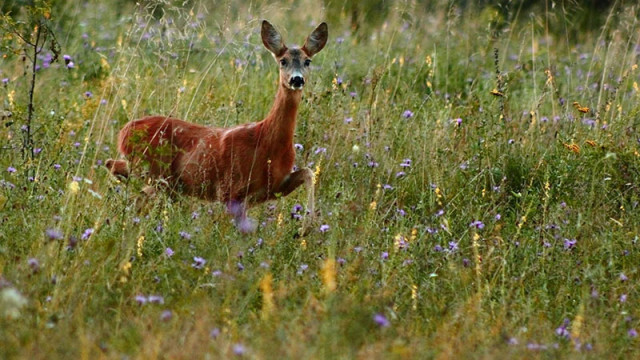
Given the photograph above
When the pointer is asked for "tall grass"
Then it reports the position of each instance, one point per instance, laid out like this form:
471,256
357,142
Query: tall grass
468,208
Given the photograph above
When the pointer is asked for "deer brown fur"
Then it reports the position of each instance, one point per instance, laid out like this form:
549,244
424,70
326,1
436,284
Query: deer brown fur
239,166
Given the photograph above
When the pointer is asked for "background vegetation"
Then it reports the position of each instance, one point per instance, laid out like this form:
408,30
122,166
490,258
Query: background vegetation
478,170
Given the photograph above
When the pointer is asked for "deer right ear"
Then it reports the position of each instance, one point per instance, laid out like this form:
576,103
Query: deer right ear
317,40
271,39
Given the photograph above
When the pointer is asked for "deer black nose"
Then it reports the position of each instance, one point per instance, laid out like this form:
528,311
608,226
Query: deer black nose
296,81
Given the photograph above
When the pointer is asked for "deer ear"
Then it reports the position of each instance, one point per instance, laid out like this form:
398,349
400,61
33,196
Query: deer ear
317,40
272,39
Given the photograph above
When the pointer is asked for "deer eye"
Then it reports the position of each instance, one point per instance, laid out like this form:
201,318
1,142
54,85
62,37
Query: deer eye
283,62
307,62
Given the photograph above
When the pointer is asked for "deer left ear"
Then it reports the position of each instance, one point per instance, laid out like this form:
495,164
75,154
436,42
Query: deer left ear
272,39
317,40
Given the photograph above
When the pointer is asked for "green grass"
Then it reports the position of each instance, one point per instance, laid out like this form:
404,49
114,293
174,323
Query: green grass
535,171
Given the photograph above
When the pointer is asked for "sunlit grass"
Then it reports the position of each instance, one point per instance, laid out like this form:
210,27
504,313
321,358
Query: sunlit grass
467,207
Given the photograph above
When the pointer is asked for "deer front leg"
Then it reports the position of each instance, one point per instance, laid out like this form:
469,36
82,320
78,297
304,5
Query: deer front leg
292,181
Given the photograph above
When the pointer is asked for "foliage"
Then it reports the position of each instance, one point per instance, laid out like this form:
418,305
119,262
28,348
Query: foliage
477,182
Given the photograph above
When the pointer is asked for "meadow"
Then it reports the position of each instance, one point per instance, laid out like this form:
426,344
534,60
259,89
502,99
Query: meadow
477,183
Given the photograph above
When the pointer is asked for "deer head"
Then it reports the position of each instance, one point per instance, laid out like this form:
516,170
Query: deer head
294,62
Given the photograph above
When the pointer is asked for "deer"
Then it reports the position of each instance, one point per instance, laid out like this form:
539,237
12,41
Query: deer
239,166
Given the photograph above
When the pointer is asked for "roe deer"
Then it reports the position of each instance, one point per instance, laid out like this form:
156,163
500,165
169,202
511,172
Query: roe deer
239,166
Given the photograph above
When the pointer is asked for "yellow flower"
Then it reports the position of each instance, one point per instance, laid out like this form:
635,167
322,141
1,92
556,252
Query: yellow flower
329,275
74,187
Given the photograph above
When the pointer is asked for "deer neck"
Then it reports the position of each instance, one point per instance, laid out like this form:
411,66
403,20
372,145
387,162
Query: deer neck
280,123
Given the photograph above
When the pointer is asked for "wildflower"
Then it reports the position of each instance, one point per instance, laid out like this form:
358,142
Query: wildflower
438,248
195,215
387,187
169,252
155,299
353,94
302,269
5,81
348,120
88,94
324,228
11,169
264,265
384,255
198,262
321,150
562,329
141,299
466,262
216,273
87,233
341,261
453,246
298,147
33,264
477,224
240,266
239,349
103,101
400,174
166,315
498,217
623,277
623,298
569,244
440,213
405,163
214,333
407,114
632,333
185,235
381,320
67,58
57,166
458,121
53,234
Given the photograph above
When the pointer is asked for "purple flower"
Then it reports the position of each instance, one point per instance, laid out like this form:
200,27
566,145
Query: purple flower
5,81
466,262
88,94
381,320
498,217
387,187
33,264
400,174
453,246
353,94
623,277
166,315
11,169
569,244
348,120
240,266
405,163
169,252
321,150
198,262
384,255
324,228
141,299
477,224
632,333
155,299
66,58
562,330
87,233
623,298
185,235
407,114
239,349
458,121
216,273
54,234
298,147
214,333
